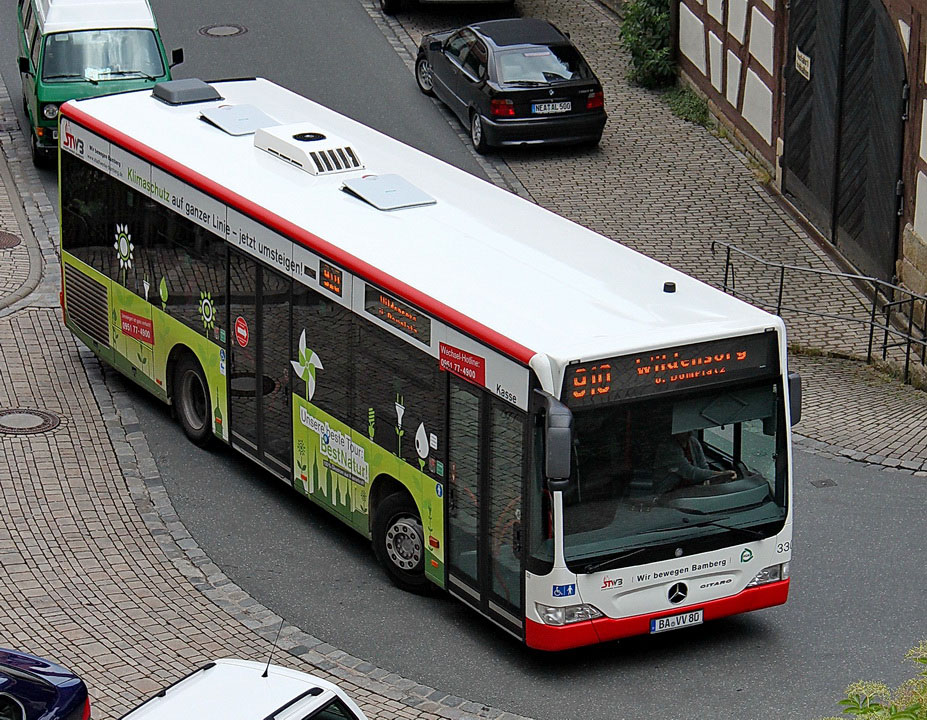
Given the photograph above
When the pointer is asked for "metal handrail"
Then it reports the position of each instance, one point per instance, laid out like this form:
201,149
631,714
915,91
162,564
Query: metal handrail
896,316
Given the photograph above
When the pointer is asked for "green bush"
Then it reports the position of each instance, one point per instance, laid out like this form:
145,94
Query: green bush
877,701
687,104
645,33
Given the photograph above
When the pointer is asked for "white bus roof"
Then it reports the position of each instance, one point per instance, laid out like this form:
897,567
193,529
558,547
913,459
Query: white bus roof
73,15
547,284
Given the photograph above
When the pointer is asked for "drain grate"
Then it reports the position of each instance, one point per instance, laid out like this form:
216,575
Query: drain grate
19,421
222,31
8,240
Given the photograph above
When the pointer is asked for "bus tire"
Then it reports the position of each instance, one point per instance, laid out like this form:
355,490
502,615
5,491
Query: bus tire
191,400
399,542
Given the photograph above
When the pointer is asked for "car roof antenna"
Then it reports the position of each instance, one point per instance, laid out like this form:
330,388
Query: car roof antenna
273,648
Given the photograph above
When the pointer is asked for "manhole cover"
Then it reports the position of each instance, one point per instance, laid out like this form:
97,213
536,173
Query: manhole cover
823,483
27,422
8,240
222,31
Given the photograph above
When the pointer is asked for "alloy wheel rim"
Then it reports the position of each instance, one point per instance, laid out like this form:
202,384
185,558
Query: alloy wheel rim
424,75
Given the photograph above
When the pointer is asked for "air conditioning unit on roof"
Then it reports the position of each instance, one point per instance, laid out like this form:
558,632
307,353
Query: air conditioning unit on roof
307,147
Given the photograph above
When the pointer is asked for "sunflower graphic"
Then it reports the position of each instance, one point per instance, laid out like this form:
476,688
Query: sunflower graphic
124,249
207,311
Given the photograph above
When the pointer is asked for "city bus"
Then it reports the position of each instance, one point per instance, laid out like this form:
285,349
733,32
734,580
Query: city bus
504,402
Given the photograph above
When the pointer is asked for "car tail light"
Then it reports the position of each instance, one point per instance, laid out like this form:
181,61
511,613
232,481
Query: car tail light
86,714
502,108
596,100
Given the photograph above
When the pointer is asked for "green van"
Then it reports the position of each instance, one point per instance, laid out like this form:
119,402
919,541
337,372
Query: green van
71,49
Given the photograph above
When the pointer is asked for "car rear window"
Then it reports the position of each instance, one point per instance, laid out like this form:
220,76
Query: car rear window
542,64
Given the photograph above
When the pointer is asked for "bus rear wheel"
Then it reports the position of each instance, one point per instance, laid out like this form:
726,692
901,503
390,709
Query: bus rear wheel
191,400
399,542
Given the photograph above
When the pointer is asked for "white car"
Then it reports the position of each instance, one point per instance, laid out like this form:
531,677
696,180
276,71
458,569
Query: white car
243,690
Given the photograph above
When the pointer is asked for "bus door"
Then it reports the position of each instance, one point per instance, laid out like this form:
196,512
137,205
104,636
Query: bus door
261,423
485,559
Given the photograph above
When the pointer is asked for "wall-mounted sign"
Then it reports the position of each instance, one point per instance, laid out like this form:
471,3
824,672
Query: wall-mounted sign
802,63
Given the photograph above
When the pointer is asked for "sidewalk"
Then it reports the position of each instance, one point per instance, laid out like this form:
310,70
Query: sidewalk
97,570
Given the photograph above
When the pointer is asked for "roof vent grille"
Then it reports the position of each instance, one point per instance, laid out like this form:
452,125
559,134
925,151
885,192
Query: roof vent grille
305,147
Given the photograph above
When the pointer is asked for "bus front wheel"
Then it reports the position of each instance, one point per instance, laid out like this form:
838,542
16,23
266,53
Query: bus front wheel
399,542
191,400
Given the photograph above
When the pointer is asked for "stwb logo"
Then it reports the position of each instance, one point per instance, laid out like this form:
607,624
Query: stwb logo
69,141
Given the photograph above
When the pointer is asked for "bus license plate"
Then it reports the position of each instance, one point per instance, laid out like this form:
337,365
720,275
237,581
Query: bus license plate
551,107
673,622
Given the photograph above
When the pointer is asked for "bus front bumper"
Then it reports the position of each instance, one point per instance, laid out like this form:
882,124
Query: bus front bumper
590,632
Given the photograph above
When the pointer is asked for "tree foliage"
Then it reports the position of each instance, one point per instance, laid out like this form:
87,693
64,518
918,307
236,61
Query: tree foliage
645,33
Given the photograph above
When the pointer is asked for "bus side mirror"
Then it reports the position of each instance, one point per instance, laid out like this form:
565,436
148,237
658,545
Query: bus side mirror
24,66
558,442
176,56
794,398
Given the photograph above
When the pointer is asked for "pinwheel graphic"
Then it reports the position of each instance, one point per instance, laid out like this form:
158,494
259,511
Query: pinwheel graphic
306,366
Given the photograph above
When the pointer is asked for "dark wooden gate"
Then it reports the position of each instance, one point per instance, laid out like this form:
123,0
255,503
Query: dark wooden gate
844,115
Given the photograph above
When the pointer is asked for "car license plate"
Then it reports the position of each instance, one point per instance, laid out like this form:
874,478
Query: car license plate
673,622
551,107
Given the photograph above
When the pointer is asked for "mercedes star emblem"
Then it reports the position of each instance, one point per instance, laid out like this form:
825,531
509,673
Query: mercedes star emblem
677,593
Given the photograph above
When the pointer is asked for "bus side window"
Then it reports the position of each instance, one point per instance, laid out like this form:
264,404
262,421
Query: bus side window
398,395
328,332
506,468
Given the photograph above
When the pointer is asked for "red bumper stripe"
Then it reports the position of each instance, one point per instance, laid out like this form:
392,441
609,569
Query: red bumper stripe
553,637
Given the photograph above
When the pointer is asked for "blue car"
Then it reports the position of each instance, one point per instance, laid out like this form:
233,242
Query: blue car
35,689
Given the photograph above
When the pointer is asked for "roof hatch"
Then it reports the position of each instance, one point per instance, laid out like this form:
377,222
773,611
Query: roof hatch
303,145
184,92
237,119
387,192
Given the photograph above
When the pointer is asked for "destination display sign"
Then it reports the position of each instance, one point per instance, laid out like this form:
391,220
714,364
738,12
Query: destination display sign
330,278
397,314
665,370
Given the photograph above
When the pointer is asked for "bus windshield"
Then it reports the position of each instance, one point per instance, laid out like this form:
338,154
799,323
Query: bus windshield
97,55
700,471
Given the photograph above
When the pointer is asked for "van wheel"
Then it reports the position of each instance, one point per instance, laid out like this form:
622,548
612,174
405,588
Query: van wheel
390,7
40,158
191,400
399,542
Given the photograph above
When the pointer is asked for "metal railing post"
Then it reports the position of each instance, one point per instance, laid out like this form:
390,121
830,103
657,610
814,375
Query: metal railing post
781,285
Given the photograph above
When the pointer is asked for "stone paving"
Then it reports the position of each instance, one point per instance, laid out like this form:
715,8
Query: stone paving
96,569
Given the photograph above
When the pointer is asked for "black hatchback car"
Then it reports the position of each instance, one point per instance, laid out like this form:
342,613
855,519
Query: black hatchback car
518,81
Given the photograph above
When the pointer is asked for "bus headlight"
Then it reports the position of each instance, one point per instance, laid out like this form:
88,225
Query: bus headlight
773,573
567,615
50,111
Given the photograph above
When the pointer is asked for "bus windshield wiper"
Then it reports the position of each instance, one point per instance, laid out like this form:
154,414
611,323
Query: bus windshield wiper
609,562
748,532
